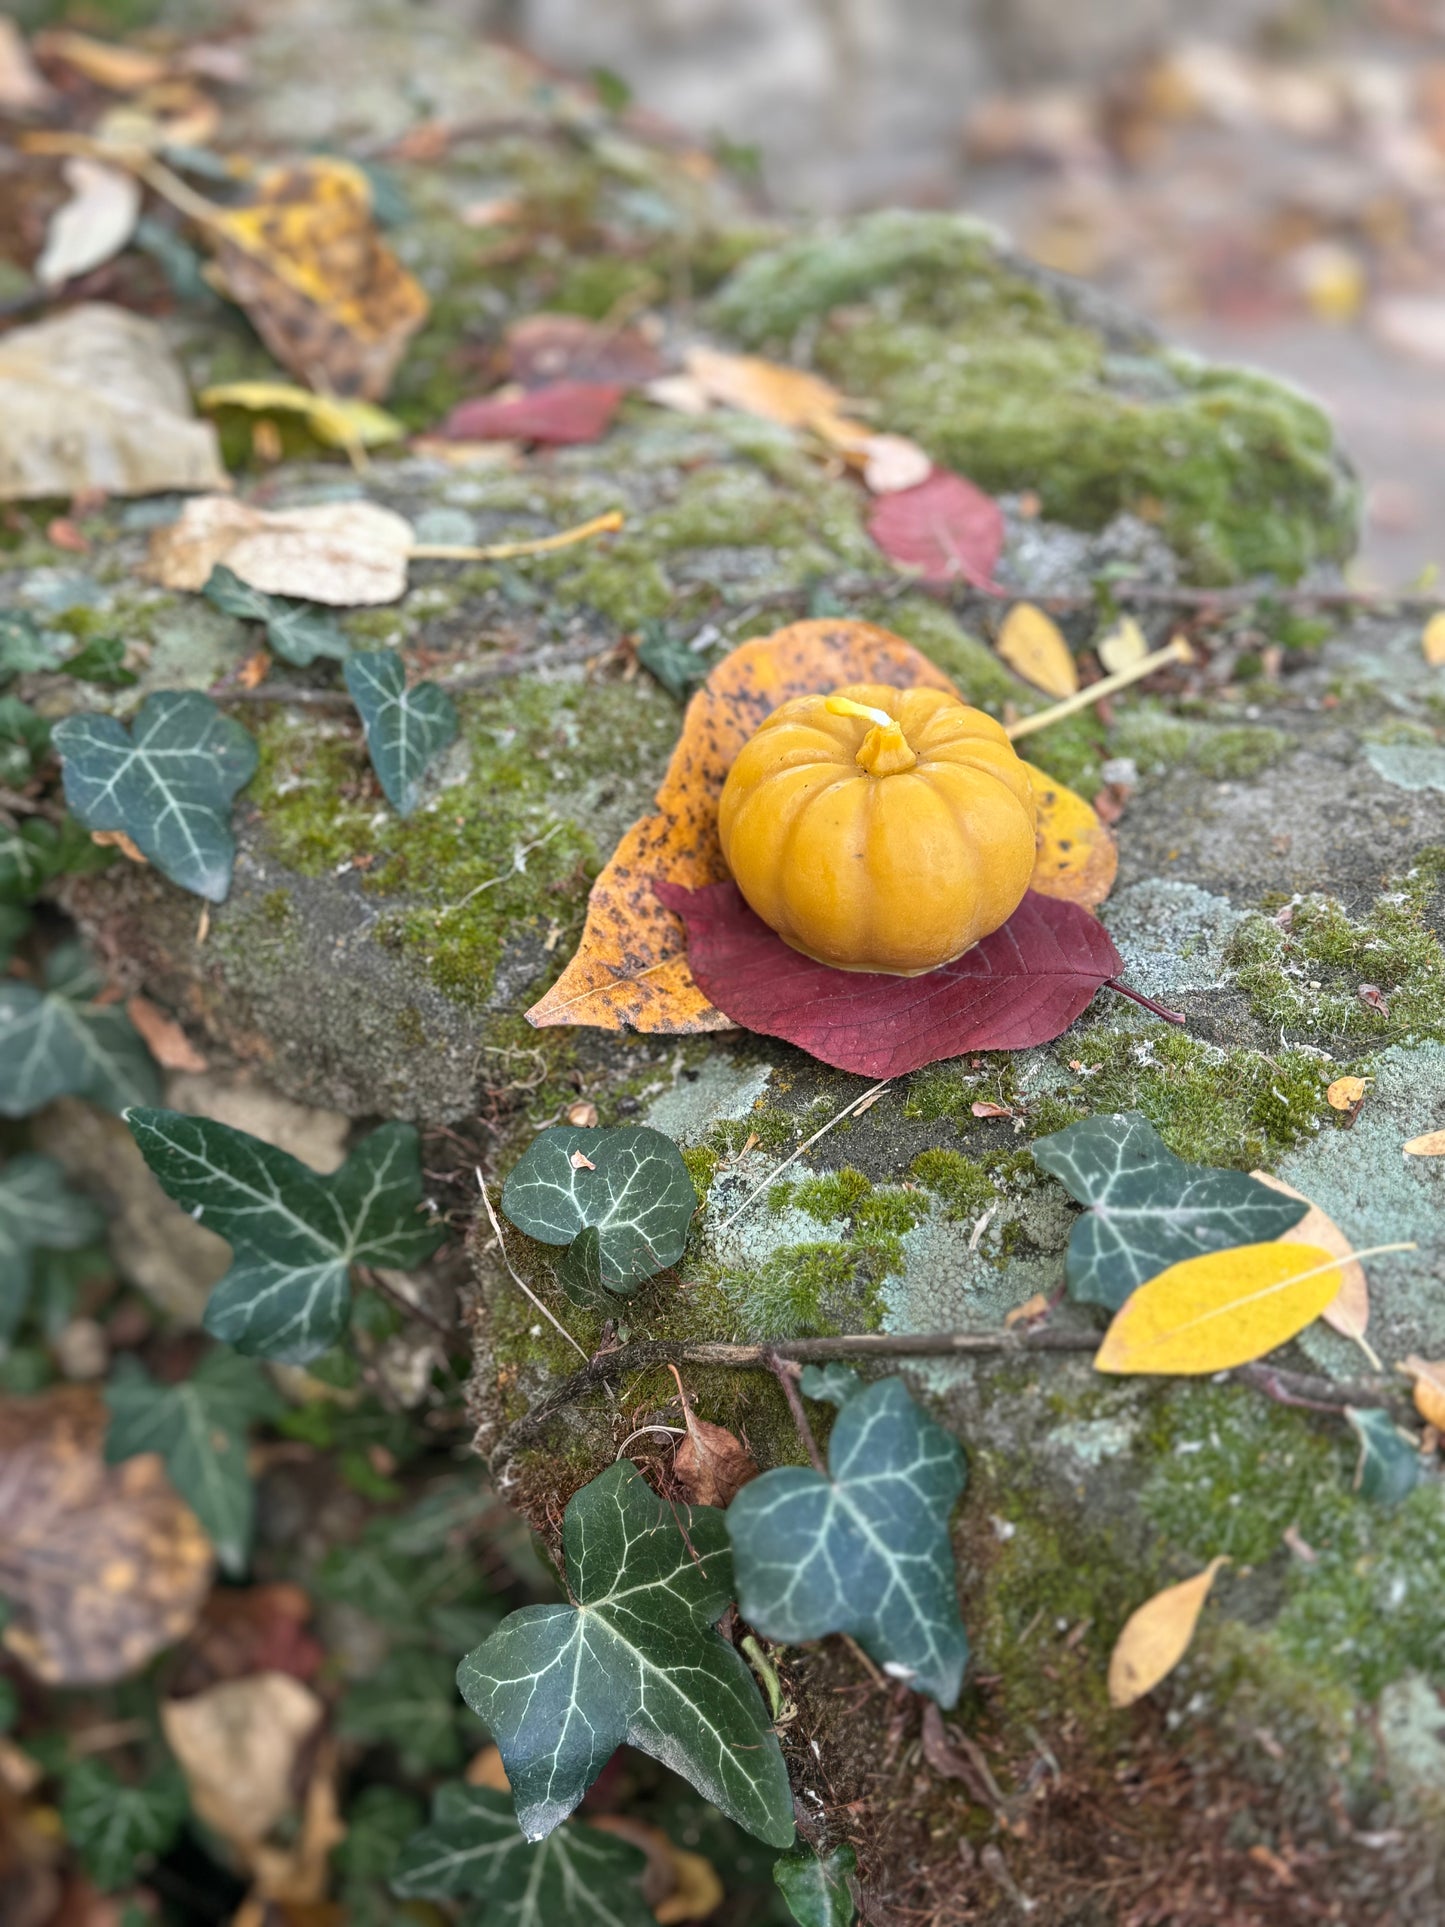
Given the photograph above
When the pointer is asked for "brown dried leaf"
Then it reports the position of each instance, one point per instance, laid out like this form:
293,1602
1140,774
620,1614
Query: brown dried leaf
1348,1312
1428,1388
104,1565
118,840
1156,1636
124,70
300,1874
677,1885
340,553
322,288
1345,1093
790,396
711,1465
237,1744
167,1043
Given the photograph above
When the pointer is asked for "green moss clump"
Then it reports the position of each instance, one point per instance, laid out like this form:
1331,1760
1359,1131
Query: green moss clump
962,1184
702,1165
991,366
1239,750
802,1290
1157,741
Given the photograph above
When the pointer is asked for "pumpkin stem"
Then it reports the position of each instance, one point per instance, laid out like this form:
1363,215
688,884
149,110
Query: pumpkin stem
884,750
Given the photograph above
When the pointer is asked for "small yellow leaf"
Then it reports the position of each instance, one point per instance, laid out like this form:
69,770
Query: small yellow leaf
1346,1092
1124,645
1348,1312
1223,1309
339,423
1432,642
1432,1145
1031,643
1157,1636
1429,1387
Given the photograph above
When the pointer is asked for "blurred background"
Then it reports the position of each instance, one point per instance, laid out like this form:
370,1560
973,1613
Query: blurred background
1265,182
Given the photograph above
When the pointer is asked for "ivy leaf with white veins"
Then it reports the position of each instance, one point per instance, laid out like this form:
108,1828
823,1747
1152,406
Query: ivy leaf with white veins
405,728
1150,1209
117,1828
620,1198
866,1550
37,851
298,632
635,1662
199,1428
56,1042
577,1877
295,1233
37,1213
168,783
818,1891
410,1701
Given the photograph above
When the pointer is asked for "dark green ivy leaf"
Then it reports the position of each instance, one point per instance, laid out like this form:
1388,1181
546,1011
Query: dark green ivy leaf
199,1428
620,1198
829,1384
24,646
14,922
577,1877
101,661
57,1042
405,728
818,1891
676,665
24,739
168,784
118,1829
38,852
295,1233
1150,1209
37,1213
298,632
1389,1464
865,1551
634,1662
410,1700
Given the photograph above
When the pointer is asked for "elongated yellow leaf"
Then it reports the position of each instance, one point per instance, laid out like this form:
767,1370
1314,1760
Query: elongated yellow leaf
1157,1636
1031,643
1432,1145
1348,1312
1219,1310
1432,642
342,422
1429,1386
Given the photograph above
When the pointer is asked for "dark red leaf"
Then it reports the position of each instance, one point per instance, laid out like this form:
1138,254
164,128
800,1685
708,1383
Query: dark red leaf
567,411
945,528
543,348
1023,985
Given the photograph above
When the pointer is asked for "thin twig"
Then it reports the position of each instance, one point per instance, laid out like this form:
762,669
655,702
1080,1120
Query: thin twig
807,1144
505,551
517,1278
786,1373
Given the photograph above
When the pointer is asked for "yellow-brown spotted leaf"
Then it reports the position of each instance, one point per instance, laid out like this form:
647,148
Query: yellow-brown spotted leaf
1077,857
1032,643
1156,1637
1223,1309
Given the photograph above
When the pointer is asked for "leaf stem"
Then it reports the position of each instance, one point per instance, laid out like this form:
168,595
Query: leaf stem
785,1371
1176,651
517,1278
505,551
1127,990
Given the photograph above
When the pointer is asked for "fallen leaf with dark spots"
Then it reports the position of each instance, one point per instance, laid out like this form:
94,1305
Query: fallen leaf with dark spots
563,412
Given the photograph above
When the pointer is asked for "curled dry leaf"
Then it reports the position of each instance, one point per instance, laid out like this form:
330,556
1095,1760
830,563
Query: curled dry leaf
1033,644
340,553
1223,1309
237,1744
103,1564
1348,1312
325,293
944,529
1157,1636
711,1465
167,1043
94,224
630,971
1345,1093
1428,1388
1431,1145
94,399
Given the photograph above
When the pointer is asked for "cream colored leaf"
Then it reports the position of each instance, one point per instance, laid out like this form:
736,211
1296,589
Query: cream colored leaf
681,393
893,462
1157,1636
1225,1308
94,224
1432,642
1431,1145
341,553
1031,643
1429,1387
1124,645
94,399
23,89
1348,1312
771,389
237,1744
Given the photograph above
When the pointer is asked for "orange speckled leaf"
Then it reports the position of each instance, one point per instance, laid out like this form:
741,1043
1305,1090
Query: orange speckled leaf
1078,858
630,971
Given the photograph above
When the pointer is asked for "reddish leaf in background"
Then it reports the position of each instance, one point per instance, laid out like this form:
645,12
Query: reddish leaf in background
543,348
1023,985
564,411
945,528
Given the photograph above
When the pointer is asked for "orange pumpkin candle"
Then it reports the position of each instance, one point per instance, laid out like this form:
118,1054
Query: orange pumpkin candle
879,829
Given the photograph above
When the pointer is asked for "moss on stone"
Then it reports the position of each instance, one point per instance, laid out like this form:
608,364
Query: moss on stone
962,1185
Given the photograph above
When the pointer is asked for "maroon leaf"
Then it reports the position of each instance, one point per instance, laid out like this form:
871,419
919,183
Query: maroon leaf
543,348
566,411
945,528
1023,985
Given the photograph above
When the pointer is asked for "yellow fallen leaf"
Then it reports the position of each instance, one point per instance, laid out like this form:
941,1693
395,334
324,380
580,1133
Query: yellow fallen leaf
1432,642
1031,643
1431,1145
1345,1093
1077,857
1124,645
790,396
1429,1387
338,423
1156,1637
1348,1312
1221,1309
